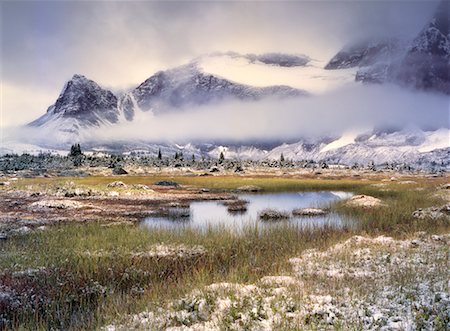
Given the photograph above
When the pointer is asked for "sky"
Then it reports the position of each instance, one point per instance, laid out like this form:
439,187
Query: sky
121,43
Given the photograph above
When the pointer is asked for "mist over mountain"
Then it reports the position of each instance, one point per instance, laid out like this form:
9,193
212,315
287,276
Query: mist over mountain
421,63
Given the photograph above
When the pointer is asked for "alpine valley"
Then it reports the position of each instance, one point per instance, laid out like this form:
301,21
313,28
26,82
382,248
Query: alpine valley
421,64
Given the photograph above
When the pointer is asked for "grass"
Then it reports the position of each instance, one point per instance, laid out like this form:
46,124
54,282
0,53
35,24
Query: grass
89,276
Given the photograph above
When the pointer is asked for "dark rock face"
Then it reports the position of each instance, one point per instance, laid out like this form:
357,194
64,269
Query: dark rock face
364,53
187,85
427,62
84,100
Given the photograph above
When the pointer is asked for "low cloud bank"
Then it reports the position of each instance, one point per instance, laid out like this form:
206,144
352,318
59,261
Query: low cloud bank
348,109
352,108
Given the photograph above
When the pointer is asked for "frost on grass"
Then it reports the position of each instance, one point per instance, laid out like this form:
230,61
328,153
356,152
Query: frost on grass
160,251
360,284
172,251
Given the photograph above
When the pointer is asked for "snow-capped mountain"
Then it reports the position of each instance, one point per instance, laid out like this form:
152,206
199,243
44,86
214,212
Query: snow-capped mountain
83,101
422,63
188,86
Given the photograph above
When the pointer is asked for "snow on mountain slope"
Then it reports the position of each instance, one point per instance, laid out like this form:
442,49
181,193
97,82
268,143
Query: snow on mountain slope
189,86
84,103
346,139
435,140
407,146
312,77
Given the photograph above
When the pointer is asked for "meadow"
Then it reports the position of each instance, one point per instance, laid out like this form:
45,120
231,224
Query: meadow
85,276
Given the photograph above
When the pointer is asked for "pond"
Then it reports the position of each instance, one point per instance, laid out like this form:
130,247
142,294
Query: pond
209,214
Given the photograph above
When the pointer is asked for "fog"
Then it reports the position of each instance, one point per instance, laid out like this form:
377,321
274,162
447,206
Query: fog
331,114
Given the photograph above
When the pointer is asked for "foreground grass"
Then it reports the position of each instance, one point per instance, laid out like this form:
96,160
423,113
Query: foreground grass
85,276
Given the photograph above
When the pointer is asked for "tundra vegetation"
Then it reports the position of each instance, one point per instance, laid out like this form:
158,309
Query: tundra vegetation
387,270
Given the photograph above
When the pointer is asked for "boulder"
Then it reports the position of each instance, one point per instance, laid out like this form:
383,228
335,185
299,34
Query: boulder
309,212
273,215
120,171
167,183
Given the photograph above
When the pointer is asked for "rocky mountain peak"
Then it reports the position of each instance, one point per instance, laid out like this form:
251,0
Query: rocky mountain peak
434,38
83,101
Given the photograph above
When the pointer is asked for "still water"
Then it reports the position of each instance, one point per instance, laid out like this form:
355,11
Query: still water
210,214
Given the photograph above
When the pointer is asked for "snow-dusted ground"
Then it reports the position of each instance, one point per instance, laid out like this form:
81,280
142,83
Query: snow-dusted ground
363,283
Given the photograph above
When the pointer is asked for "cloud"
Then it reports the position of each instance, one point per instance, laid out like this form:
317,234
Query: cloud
333,113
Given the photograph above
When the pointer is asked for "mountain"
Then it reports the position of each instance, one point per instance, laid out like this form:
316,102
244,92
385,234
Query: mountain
413,146
365,53
188,85
82,103
274,59
422,63
427,62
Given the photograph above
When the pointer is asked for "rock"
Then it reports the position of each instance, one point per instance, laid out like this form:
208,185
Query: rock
309,212
117,184
42,228
120,171
364,201
167,183
5,183
432,212
444,187
3,236
57,204
415,243
249,188
77,192
22,230
113,194
236,205
272,215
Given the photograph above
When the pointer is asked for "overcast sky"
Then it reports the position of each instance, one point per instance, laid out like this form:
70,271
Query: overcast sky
120,44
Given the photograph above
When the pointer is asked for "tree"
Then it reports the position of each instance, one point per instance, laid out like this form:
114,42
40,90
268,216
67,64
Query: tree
75,150
281,157
159,154
193,158
221,157
176,155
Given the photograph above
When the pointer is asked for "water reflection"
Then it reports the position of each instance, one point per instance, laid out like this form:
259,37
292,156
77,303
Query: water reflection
206,214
